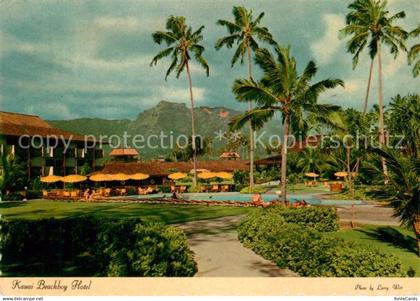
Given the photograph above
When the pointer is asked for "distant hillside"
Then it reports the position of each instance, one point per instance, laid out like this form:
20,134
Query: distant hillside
167,117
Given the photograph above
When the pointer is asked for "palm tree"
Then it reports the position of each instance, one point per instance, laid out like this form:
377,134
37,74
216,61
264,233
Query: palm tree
182,41
244,30
414,52
404,188
282,90
370,20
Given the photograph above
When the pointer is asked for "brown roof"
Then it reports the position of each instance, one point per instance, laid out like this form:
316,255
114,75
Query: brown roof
124,152
229,155
16,124
166,168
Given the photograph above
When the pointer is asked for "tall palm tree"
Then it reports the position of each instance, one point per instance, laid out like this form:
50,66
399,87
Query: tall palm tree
370,20
182,41
414,52
282,90
245,31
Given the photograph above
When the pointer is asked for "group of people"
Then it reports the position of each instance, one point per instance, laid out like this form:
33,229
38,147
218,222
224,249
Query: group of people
257,200
90,194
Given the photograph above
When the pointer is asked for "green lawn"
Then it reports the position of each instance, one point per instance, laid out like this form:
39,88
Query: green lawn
398,241
166,213
300,187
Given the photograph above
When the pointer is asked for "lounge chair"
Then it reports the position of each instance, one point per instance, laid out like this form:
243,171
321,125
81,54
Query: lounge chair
225,188
45,194
215,188
182,189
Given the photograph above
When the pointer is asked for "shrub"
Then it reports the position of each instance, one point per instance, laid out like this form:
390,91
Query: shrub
146,250
13,196
87,246
323,219
165,188
309,252
34,194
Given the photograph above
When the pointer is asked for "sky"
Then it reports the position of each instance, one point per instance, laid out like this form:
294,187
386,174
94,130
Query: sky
72,59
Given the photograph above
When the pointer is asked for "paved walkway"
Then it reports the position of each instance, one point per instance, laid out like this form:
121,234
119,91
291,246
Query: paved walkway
219,253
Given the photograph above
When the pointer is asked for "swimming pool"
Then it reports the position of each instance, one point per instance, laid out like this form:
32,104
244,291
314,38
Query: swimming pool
311,199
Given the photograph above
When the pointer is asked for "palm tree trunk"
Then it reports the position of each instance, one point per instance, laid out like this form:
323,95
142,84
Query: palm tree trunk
349,176
368,87
381,111
284,158
251,130
192,126
365,106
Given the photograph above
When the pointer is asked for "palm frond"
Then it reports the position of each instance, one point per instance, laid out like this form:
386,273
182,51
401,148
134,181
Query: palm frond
249,90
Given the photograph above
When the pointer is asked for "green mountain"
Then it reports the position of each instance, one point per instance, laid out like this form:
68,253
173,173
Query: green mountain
170,119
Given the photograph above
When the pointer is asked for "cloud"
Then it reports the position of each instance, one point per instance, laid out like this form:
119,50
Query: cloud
58,110
391,66
179,94
327,46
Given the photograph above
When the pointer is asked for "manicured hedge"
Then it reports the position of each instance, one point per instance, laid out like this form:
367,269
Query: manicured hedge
308,251
323,219
87,246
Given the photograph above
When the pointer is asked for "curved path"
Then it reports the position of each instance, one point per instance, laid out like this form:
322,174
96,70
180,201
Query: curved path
219,253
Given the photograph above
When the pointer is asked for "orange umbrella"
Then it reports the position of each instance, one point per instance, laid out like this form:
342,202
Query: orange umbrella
50,179
73,179
119,177
312,175
100,177
177,175
224,175
139,176
341,174
206,175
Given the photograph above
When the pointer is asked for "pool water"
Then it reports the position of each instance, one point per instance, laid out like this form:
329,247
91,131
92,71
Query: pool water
310,199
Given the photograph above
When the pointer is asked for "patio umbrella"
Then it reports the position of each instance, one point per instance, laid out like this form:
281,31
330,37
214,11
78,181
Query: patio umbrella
224,175
177,175
139,176
312,175
73,179
341,174
50,179
206,175
119,177
100,177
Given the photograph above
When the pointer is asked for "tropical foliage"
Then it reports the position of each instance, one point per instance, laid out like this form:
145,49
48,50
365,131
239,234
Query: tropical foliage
282,90
369,24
